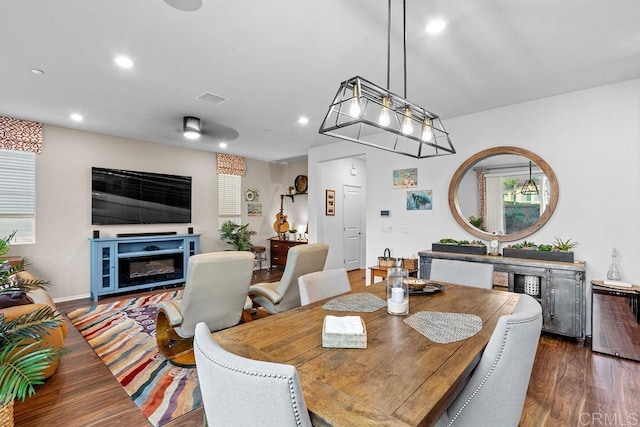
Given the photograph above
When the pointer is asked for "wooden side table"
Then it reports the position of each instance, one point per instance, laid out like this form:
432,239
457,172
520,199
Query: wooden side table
382,272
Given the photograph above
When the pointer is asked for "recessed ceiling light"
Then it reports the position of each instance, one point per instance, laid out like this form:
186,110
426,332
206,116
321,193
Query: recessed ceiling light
303,120
37,71
222,145
435,26
76,117
124,62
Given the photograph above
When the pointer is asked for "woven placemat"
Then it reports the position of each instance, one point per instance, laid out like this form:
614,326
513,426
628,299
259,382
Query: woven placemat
445,328
361,302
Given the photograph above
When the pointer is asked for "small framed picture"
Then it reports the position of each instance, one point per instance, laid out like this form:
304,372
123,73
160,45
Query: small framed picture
330,205
254,209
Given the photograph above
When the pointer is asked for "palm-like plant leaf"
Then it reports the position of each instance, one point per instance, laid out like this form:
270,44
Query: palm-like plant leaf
31,325
22,367
19,284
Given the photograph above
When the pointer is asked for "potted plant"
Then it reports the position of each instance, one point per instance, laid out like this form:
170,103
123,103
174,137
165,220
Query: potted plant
560,250
238,236
474,247
23,358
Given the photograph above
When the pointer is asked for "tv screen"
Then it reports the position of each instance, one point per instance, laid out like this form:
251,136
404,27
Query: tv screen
132,197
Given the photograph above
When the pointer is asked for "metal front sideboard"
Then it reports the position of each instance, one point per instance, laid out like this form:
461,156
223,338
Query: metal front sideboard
561,286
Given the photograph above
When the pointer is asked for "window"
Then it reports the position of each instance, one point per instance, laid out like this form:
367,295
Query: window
229,199
18,195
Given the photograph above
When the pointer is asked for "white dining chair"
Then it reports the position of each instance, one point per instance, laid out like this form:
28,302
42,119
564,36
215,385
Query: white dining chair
476,274
495,393
323,284
237,391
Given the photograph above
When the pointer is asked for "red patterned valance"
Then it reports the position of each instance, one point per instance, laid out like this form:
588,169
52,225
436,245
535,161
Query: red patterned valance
22,135
229,164
482,193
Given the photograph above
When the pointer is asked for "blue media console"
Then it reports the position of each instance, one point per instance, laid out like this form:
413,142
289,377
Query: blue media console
124,264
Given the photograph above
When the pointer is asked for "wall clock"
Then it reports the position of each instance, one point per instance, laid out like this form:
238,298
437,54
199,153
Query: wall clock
301,183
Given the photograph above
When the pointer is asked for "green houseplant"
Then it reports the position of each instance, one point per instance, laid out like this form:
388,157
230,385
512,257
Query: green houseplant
448,244
238,236
23,358
560,250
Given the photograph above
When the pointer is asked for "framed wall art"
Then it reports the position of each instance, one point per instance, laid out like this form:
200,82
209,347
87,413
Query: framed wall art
254,209
419,200
330,203
405,178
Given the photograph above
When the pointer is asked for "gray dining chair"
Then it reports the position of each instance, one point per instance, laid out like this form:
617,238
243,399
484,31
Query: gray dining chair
238,391
495,393
476,274
284,295
323,284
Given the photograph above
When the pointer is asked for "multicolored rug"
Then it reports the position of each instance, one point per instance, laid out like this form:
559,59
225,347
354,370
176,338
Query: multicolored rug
122,333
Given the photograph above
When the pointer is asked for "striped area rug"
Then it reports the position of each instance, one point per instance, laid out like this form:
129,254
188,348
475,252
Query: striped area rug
122,333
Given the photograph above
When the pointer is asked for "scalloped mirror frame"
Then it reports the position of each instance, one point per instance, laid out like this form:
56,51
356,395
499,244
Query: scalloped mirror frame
471,161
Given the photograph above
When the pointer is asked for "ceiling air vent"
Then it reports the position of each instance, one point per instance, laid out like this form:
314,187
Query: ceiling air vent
212,98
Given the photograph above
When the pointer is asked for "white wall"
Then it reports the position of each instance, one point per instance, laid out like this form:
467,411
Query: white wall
63,200
590,138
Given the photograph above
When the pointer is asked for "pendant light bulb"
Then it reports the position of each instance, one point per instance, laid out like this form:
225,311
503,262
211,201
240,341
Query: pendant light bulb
385,120
427,131
355,109
407,126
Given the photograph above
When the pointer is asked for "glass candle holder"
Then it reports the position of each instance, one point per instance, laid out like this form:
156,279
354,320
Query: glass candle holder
397,291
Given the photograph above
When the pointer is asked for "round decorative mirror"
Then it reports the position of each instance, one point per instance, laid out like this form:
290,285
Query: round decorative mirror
507,190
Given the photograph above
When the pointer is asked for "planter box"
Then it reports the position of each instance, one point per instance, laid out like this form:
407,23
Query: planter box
539,255
459,249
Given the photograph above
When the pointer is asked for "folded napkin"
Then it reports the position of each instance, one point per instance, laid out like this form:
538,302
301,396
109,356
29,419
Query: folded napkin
343,325
617,283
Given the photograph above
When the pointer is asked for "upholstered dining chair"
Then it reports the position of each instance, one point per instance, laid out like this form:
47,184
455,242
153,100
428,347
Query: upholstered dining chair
495,393
323,284
476,274
280,296
238,391
215,293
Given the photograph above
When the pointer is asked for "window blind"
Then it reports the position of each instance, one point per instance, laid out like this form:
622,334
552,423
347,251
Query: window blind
18,194
229,200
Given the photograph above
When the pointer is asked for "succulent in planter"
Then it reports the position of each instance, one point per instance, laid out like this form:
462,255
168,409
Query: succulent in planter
563,246
545,248
448,241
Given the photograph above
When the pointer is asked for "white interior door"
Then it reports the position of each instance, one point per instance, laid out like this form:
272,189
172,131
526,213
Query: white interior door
352,230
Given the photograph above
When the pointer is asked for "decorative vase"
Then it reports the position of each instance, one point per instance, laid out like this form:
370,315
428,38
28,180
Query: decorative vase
614,273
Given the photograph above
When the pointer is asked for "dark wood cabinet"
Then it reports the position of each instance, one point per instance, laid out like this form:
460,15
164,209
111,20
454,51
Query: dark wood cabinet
280,248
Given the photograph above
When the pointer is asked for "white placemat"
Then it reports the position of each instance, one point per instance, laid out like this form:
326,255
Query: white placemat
445,328
362,302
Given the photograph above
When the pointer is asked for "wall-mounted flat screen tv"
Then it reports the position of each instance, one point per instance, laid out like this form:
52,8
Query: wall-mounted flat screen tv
133,197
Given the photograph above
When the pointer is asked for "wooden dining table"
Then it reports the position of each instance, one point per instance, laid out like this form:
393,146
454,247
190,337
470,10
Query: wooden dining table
402,378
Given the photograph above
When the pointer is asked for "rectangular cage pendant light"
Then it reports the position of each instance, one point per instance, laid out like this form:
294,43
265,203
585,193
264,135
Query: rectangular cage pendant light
368,114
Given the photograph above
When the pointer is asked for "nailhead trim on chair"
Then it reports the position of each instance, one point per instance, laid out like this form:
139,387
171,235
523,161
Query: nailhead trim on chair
493,366
292,394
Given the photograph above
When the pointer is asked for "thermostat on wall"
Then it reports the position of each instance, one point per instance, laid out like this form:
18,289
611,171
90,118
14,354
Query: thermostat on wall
385,213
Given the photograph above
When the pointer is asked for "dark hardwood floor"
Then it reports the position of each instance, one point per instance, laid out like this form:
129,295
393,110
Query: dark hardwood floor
570,386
